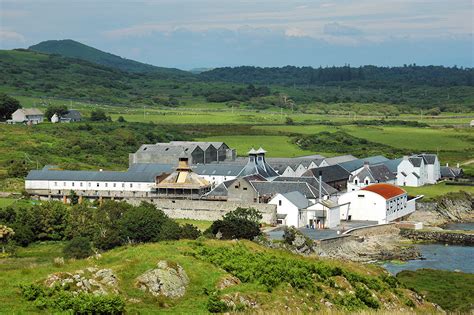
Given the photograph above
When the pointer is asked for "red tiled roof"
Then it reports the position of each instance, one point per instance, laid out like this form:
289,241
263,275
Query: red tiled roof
387,191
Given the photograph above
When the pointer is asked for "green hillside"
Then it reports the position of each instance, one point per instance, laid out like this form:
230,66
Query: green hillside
73,49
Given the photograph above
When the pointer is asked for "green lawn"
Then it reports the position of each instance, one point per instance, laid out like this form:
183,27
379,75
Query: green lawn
200,224
430,191
277,146
418,139
453,291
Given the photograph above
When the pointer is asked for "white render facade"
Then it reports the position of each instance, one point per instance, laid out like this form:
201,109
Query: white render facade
27,115
418,170
323,215
365,205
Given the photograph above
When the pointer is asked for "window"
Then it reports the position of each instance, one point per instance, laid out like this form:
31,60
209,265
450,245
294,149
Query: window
115,185
279,202
72,184
360,196
64,184
55,183
131,185
356,181
106,185
245,188
80,184
123,185
366,181
89,184
97,184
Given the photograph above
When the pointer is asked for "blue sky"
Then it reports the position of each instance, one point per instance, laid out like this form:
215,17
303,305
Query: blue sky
211,33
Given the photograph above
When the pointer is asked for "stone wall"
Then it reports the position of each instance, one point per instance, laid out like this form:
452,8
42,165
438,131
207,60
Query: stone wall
380,229
445,237
207,210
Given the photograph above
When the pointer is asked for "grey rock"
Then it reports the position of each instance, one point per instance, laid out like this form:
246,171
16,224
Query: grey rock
169,280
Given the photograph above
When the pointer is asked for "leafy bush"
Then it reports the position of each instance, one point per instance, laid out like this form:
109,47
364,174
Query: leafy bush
214,303
189,232
79,247
242,223
365,296
57,298
145,223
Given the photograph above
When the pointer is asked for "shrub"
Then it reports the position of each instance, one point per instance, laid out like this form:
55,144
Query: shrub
214,303
58,298
79,247
241,223
142,224
366,297
190,232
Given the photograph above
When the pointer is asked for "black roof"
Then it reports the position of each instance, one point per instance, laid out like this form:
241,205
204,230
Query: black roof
72,114
329,174
325,188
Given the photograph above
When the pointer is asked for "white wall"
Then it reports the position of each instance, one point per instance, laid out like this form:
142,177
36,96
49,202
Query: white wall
87,185
364,206
332,219
284,206
217,179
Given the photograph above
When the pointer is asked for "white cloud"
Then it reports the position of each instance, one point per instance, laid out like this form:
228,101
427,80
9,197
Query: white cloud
11,36
337,29
295,32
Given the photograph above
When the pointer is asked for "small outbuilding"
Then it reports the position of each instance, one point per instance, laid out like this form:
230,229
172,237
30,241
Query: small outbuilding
289,208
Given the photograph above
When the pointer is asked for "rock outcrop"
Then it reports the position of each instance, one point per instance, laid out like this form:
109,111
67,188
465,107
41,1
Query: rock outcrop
90,280
227,282
167,279
452,207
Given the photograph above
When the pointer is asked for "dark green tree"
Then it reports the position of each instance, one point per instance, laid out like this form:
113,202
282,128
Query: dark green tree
79,247
17,169
59,110
8,105
99,115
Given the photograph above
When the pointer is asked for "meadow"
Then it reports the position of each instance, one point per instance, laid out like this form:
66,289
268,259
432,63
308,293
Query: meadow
33,263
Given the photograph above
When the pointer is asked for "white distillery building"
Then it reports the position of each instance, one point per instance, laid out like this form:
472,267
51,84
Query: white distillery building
378,202
418,170
370,174
289,208
324,214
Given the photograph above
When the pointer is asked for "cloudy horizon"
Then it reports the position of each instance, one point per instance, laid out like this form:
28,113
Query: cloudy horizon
213,33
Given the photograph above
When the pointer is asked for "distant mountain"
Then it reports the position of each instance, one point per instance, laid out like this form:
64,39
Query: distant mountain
73,49
200,70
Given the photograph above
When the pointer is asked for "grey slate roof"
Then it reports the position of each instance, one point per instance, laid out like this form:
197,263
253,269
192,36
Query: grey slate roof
450,172
340,159
31,111
353,165
428,158
329,174
297,198
393,164
272,188
378,173
415,161
105,176
72,114
200,169
325,188
257,165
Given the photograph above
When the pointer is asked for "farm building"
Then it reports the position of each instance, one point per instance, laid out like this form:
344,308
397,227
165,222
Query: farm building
418,170
289,208
370,174
378,202
27,116
324,214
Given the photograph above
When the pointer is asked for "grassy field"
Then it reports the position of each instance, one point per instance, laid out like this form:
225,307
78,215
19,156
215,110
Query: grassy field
430,191
35,262
200,224
451,290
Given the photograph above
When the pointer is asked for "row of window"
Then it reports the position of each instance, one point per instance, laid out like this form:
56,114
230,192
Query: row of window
89,184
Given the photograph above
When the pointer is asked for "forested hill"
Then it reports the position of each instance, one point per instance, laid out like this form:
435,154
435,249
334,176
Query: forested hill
367,76
73,49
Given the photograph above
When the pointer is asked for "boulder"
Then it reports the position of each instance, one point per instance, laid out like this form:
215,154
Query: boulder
227,281
167,279
91,280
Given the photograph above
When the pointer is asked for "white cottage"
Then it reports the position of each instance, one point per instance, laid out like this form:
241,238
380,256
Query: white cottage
324,214
370,174
27,115
289,208
418,170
